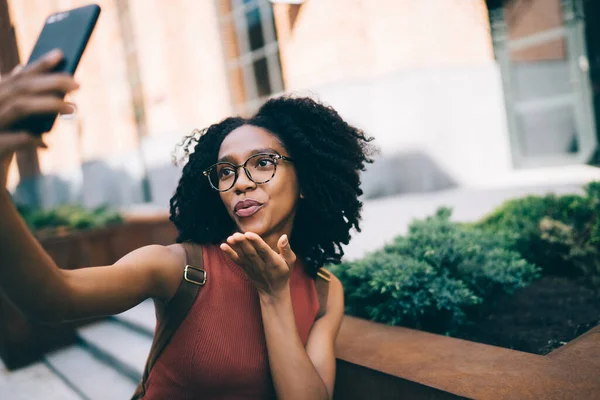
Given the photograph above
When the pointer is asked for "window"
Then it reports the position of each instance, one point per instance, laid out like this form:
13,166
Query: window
541,51
251,52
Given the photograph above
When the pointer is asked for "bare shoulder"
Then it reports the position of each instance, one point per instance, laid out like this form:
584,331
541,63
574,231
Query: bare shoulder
336,289
165,262
334,310
176,250
335,297
173,272
154,254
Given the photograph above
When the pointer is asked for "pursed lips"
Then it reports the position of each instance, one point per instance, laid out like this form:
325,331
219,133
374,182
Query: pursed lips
246,208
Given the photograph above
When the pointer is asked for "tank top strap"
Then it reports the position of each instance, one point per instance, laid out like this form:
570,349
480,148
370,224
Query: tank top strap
194,277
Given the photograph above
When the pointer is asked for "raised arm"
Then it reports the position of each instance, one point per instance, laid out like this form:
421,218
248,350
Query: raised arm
28,275
36,285
298,372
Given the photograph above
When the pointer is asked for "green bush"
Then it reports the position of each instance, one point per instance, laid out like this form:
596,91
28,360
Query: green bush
434,278
69,217
561,234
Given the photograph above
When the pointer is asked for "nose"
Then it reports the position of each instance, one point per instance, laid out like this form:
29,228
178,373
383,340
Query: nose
243,182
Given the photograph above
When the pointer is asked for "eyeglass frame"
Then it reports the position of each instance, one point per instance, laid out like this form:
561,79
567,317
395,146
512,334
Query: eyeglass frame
276,157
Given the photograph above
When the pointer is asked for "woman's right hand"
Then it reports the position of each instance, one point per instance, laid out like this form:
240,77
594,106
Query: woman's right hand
27,92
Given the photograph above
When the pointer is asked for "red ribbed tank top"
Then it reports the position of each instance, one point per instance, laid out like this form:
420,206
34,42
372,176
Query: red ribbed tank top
219,351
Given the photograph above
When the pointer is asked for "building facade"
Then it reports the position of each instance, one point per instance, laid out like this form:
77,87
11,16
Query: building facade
455,92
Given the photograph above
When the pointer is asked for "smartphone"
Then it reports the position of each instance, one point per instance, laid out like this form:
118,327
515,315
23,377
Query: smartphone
70,32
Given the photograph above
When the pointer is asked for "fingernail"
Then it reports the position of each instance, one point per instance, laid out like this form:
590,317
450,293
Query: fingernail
17,69
285,240
54,54
70,108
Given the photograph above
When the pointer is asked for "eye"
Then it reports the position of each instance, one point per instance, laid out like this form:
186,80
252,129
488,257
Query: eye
264,162
225,172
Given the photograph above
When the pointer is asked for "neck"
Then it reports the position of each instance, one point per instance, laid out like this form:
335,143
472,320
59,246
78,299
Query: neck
273,238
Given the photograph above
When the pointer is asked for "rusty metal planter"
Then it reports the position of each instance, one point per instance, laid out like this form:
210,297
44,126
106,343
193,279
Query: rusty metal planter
376,361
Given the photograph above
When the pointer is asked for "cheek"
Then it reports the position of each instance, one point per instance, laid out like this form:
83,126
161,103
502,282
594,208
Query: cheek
225,199
285,192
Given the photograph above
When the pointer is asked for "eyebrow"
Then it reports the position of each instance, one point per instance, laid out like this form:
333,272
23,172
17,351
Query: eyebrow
269,150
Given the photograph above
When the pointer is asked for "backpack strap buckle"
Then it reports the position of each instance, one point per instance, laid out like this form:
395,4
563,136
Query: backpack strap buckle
194,275
324,274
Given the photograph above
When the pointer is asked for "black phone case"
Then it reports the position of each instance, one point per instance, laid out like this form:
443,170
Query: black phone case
70,32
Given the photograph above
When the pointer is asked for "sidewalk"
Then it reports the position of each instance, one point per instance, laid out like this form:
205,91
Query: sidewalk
383,219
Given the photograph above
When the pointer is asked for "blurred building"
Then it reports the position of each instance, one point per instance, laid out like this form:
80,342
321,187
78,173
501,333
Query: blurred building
456,92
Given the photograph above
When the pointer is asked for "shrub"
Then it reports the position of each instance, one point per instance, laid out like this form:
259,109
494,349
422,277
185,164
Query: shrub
68,217
561,234
434,278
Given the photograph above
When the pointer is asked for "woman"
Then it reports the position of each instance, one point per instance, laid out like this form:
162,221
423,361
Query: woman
268,200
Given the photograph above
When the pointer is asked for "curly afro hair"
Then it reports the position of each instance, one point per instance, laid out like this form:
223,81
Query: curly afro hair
328,156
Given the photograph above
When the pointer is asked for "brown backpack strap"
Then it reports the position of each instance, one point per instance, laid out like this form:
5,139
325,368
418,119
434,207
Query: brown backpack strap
194,276
322,286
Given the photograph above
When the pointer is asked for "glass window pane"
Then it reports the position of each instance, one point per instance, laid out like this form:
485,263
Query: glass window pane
543,99
255,33
261,73
548,132
541,78
540,71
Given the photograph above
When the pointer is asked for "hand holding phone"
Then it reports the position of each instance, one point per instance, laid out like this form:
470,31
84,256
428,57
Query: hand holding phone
34,91
68,31
24,94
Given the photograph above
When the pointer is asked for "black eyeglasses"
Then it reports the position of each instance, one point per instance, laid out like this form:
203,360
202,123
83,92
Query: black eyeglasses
260,168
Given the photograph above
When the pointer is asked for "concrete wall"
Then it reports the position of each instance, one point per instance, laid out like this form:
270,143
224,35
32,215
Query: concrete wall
436,127
115,180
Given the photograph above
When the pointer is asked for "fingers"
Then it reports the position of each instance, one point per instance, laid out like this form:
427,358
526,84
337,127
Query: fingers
245,249
261,248
283,244
29,105
71,115
33,90
46,83
18,68
265,268
45,64
231,253
251,248
20,141
35,78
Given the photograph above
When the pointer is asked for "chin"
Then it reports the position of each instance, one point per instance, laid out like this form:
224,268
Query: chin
251,226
